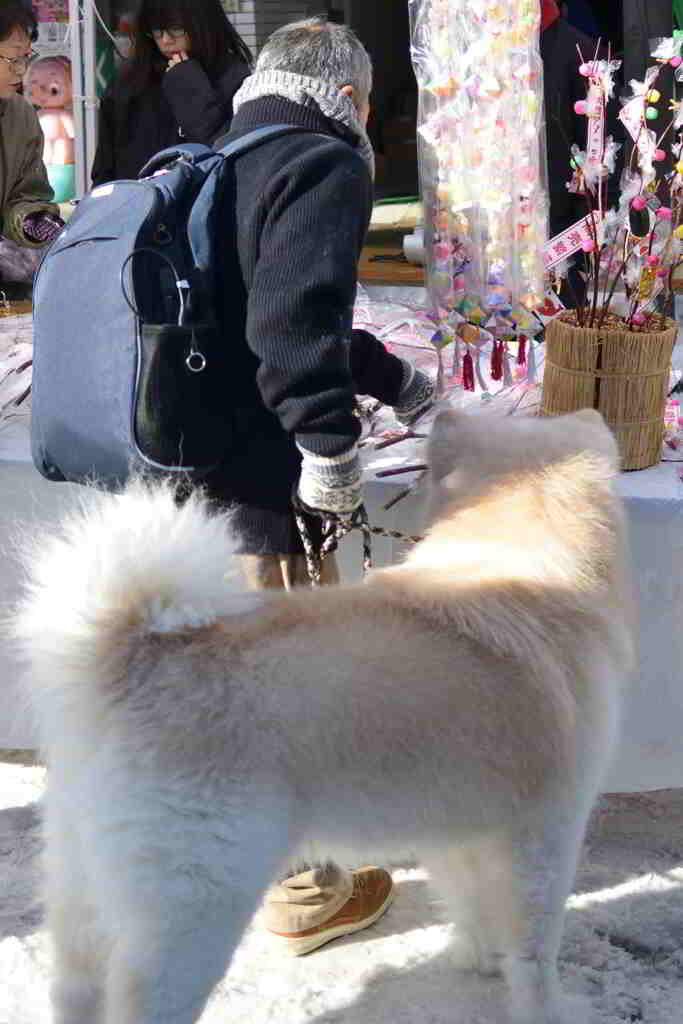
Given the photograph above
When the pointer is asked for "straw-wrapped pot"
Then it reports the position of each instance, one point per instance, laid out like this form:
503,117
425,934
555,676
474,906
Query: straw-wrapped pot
624,374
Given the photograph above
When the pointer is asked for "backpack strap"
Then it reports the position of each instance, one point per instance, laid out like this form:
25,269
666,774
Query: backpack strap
200,227
193,152
229,147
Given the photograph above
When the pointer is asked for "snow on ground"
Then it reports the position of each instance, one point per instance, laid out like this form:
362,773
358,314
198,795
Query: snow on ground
623,946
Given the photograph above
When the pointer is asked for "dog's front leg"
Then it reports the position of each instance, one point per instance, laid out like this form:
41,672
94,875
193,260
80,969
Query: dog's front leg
544,875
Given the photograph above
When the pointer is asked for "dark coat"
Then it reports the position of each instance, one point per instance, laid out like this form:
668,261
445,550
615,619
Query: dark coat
299,210
563,87
24,187
184,104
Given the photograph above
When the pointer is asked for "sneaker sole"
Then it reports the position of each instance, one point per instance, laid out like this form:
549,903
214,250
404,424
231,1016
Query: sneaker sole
309,943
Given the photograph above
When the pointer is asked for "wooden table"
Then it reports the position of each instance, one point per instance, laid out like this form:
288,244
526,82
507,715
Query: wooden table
388,272
16,308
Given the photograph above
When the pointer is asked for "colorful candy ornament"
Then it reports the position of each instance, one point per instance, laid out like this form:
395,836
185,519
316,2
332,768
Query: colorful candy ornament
638,239
480,76
468,371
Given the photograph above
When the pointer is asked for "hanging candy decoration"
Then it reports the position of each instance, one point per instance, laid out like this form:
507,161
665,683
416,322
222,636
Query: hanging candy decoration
468,371
477,370
507,369
457,356
479,72
497,356
531,364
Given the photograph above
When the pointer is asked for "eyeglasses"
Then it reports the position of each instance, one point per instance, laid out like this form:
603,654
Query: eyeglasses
174,34
19,63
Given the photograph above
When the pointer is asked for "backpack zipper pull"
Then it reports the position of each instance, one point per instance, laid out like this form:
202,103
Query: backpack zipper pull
184,294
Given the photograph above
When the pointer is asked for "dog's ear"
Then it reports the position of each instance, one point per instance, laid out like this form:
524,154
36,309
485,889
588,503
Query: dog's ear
444,444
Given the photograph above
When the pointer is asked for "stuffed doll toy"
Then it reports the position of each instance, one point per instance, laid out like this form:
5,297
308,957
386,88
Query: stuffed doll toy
48,88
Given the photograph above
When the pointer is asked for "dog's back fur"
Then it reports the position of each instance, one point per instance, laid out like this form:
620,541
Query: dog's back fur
460,706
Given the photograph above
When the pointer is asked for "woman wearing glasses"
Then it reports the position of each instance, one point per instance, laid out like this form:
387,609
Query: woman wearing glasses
187,64
27,215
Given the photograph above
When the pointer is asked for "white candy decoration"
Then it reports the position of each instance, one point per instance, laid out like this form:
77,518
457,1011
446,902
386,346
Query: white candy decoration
482,169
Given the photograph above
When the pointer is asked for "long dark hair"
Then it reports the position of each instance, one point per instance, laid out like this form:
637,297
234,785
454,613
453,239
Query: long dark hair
17,14
214,42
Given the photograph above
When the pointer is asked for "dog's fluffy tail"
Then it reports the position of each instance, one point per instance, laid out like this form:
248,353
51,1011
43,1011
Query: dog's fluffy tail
122,565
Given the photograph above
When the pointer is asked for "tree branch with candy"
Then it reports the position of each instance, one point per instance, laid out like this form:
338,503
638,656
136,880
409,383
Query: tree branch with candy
637,246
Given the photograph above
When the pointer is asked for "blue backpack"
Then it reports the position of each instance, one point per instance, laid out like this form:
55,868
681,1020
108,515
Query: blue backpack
130,365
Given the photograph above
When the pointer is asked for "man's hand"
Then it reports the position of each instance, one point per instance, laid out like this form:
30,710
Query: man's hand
332,486
416,397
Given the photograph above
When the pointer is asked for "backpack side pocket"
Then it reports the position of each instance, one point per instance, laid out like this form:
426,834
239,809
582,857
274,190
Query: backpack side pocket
182,420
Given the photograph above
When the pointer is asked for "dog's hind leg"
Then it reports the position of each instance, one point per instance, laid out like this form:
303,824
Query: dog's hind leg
183,903
165,975
78,987
79,948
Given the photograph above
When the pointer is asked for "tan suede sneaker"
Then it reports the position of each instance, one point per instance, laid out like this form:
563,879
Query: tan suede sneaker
373,892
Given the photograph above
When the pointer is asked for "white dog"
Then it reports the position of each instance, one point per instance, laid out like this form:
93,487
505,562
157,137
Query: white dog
460,705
